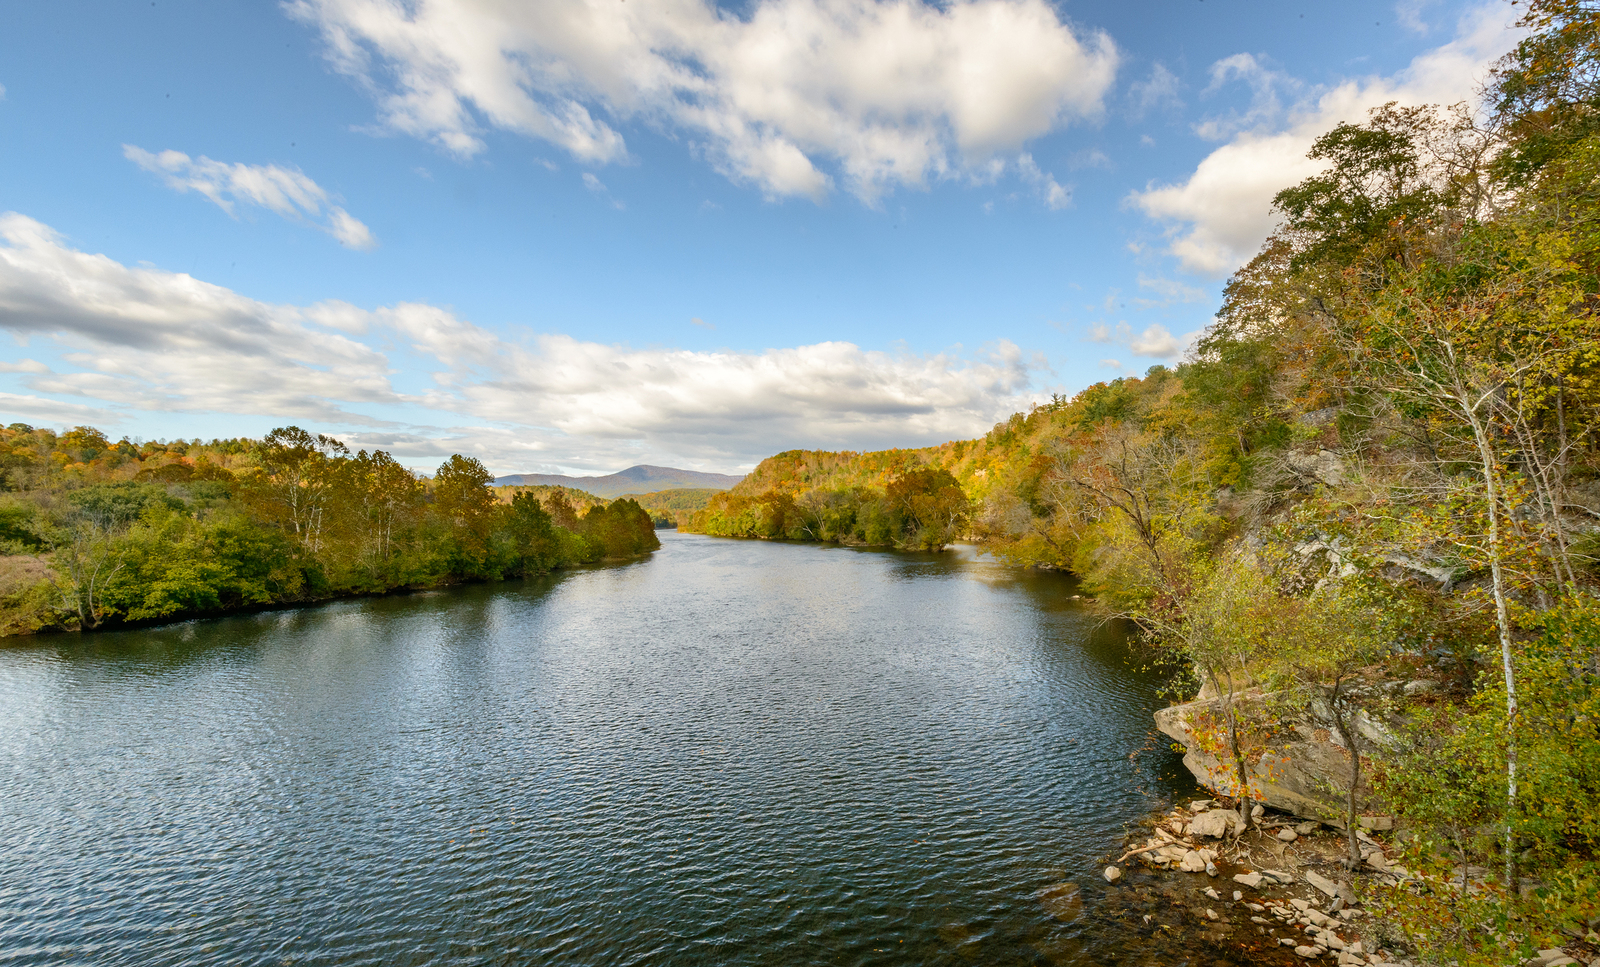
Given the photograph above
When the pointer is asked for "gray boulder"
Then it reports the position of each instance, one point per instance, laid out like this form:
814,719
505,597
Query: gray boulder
1214,823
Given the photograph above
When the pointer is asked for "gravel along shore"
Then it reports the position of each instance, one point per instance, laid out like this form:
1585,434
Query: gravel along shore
1278,894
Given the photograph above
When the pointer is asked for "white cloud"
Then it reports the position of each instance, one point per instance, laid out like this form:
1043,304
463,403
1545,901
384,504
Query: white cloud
24,366
1092,158
1167,292
350,232
149,339
1410,15
599,188
2,92
789,97
1052,194
1265,85
143,339
1159,90
53,411
1221,213
283,191
1155,341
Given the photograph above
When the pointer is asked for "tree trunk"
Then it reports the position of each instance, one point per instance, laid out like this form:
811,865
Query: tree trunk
1503,621
1237,748
1341,722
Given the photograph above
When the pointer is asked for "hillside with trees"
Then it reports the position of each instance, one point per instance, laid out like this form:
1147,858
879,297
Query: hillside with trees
95,533
673,508
1380,467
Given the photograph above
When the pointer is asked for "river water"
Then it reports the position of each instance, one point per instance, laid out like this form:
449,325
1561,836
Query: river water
732,752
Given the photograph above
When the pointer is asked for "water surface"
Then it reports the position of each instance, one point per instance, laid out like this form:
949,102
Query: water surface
733,752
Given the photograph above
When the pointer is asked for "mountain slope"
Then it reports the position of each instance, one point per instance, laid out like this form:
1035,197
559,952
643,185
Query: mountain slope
634,480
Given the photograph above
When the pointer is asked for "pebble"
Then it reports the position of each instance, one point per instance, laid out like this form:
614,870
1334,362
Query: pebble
1237,896
1112,874
1288,835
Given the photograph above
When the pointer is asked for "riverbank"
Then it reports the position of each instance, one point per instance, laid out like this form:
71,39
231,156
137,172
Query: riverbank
1279,893
19,637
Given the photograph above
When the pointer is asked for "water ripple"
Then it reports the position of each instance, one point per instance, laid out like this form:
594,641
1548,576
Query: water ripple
732,753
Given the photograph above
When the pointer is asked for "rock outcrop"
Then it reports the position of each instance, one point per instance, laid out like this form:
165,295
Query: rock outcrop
1301,768
1322,466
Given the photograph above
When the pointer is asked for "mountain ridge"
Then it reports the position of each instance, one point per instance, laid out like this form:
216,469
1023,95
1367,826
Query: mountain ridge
639,478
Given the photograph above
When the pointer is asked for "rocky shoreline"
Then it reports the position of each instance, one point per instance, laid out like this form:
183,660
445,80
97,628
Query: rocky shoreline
1277,894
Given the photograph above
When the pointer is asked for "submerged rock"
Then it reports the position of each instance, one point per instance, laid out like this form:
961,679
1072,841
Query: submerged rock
1064,901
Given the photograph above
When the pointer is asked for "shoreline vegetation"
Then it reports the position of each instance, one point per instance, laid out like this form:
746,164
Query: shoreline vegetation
96,534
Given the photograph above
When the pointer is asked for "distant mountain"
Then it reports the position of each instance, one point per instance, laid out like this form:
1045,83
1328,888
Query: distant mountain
634,480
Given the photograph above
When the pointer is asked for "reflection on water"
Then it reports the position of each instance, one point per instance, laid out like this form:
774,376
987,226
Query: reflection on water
733,752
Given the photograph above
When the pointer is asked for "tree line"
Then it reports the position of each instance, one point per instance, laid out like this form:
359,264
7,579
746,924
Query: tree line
96,533
922,507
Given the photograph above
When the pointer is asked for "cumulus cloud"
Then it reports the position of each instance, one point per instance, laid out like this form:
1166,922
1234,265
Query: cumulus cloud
149,339
143,339
1219,216
791,97
1155,341
283,191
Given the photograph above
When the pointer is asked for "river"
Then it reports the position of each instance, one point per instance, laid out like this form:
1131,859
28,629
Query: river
731,752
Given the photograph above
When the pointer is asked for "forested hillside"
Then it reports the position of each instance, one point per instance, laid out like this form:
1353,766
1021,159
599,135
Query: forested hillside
670,508
1379,467
95,533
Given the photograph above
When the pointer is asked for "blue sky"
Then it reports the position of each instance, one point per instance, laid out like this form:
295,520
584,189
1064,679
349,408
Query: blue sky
573,236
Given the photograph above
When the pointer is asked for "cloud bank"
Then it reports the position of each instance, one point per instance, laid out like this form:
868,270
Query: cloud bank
283,191
144,340
795,96
1220,215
